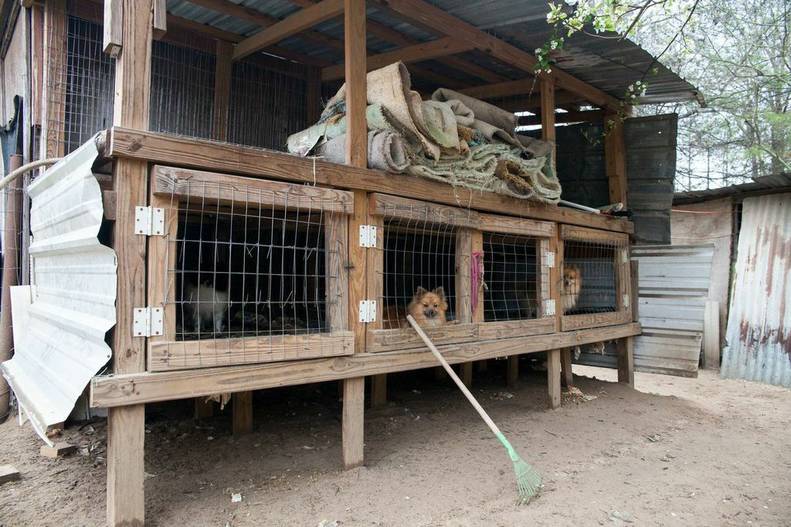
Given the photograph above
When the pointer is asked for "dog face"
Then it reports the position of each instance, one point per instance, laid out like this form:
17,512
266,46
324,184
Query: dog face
572,284
429,307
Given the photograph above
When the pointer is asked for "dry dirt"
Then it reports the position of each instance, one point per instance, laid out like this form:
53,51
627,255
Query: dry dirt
675,451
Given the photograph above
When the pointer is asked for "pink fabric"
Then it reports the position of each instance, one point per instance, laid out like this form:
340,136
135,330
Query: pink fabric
476,271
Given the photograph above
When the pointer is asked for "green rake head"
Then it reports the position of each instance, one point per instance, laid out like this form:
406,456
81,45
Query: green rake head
528,480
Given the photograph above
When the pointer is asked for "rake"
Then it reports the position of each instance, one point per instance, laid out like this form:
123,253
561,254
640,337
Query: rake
528,480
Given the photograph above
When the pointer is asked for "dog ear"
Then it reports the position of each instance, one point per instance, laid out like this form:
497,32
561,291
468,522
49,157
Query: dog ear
440,292
420,292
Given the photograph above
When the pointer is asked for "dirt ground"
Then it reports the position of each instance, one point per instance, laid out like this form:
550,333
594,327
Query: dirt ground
675,451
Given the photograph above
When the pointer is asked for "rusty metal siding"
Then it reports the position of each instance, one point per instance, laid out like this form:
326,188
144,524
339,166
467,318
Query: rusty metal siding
759,324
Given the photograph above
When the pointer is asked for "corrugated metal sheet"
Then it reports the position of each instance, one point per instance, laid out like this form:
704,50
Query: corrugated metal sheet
759,324
72,300
774,184
673,285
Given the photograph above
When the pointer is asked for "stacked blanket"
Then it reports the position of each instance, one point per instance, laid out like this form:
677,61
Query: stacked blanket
452,138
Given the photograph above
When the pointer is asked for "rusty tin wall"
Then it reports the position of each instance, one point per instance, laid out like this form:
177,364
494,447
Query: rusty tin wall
759,325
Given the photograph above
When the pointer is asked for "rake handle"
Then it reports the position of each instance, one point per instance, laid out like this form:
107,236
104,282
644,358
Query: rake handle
464,390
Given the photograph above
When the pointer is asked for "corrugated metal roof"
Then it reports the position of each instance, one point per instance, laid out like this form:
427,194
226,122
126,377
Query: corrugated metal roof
759,323
72,299
608,64
760,185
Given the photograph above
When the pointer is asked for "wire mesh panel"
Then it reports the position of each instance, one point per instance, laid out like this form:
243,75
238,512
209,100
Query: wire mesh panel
595,278
248,270
513,277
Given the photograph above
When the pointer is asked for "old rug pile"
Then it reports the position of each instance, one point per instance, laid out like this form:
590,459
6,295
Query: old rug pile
451,138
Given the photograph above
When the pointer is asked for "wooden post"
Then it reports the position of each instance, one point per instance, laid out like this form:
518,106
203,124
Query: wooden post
548,113
242,413
465,240
553,377
512,370
356,155
625,349
312,94
53,139
378,390
615,157
567,377
711,335
466,373
126,424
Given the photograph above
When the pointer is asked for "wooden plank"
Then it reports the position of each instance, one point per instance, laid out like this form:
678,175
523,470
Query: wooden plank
519,226
160,23
711,336
113,27
379,390
478,314
162,252
125,444
336,237
383,340
313,94
516,328
567,376
625,349
582,234
553,378
203,408
615,157
423,13
55,80
412,209
353,422
512,371
8,473
415,53
591,320
294,24
37,63
59,449
463,276
118,390
222,157
548,114
171,182
222,89
176,355
242,420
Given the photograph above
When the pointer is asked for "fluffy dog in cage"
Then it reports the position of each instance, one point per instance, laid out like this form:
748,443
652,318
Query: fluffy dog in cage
428,308
572,285
206,305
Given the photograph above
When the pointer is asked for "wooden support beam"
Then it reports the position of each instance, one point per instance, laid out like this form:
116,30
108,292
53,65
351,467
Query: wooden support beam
242,420
353,422
378,390
296,23
222,89
160,19
126,426
312,95
615,157
567,377
113,27
203,408
54,88
426,14
553,377
512,370
416,53
548,114
625,349
566,117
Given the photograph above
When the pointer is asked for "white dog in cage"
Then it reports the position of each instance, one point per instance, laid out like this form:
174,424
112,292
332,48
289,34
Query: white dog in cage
207,305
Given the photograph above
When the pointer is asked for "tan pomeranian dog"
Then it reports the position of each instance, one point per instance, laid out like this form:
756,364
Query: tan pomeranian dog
572,285
428,308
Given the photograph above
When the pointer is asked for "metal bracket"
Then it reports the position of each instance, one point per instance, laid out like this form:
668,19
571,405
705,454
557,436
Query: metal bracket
150,221
549,307
549,259
367,235
367,311
626,301
147,322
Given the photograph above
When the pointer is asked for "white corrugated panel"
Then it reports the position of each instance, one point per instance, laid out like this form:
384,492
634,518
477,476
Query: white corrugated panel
673,285
72,297
759,321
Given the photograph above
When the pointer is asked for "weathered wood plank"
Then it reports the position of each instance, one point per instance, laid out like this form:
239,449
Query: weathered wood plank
625,349
336,237
412,209
211,186
591,320
113,27
175,355
119,390
353,422
553,377
519,226
516,328
615,157
574,232
222,157
383,340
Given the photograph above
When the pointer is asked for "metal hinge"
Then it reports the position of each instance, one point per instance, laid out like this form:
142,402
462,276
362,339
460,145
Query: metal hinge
367,311
367,235
147,322
549,259
626,301
549,307
150,221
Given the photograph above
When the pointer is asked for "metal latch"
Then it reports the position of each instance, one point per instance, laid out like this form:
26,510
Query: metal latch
549,307
147,322
549,259
150,221
367,311
367,235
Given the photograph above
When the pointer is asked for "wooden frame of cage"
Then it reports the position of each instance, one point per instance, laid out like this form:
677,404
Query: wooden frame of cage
169,185
622,275
471,225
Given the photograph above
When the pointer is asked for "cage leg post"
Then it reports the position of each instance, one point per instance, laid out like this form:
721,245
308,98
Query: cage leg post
625,349
353,421
512,370
466,374
553,377
125,470
567,376
203,408
378,390
242,413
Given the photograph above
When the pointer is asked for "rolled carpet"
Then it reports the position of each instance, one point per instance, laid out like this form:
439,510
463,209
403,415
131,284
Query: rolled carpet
386,151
